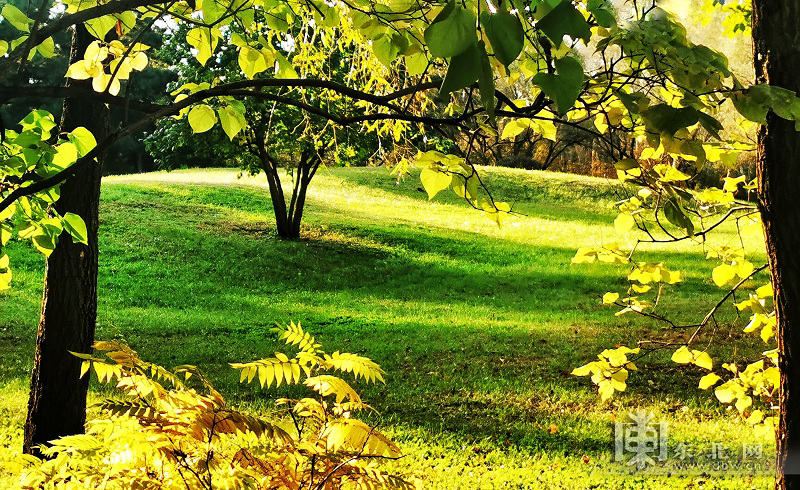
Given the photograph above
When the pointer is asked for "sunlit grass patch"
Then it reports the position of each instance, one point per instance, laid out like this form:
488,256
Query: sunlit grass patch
477,326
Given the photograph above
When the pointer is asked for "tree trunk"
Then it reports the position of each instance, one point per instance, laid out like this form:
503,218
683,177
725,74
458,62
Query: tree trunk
57,404
777,61
270,167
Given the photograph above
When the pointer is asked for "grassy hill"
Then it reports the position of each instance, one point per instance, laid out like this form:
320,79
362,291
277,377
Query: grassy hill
477,326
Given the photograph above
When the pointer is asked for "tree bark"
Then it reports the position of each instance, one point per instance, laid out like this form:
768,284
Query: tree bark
57,403
776,36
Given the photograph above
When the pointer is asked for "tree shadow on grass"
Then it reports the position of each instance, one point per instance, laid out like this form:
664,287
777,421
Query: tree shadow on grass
476,333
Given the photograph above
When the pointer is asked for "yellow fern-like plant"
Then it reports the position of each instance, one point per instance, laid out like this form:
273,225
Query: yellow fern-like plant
170,433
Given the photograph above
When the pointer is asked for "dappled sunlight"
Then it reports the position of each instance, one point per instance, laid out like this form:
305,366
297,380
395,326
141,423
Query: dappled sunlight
477,326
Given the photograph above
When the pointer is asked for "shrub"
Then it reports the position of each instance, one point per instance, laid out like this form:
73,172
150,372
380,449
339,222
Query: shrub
165,434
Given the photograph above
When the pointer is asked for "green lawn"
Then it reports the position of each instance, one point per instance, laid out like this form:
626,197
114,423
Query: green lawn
477,326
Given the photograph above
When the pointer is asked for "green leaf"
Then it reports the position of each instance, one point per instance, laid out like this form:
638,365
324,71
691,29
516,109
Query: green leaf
486,83
603,13
16,17
753,104
668,120
284,68
38,120
710,124
505,34
202,118
100,26
5,233
76,227
463,71
416,63
388,48
66,154
677,216
83,140
564,86
452,34
231,120
563,20
47,48
251,61
45,243
635,102
626,164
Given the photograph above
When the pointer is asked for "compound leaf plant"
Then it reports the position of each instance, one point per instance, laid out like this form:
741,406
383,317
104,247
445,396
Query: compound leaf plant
172,429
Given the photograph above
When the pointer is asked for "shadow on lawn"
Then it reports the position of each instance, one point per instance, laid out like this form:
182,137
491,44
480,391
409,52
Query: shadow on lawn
463,323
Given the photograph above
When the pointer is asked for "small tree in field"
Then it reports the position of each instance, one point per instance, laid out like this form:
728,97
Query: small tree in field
278,139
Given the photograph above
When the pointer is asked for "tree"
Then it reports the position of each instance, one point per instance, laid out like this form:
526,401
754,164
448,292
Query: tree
276,140
57,403
645,78
776,63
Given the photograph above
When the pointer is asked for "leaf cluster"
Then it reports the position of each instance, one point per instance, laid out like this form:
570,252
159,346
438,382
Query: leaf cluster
172,429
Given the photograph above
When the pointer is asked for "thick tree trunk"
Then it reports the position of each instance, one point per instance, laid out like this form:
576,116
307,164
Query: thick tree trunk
270,167
776,25
287,220
57,404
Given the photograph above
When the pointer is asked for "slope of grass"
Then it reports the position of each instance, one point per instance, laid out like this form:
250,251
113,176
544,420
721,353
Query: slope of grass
477,326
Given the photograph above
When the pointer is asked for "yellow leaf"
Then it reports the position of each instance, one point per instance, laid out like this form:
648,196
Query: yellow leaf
610,298
623,223
755,322
743,403
582,371
139,61
515,127
765,291
606,390
708,381
725,395
669,173
584,255
434,181
673,277
85,365
755,417
702,359
732,184
682,356
722,274
202,118
496,212
199,38
77,71
767,332
744,268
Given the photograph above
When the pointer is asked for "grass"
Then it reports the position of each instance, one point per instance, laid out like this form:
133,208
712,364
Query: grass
477,327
